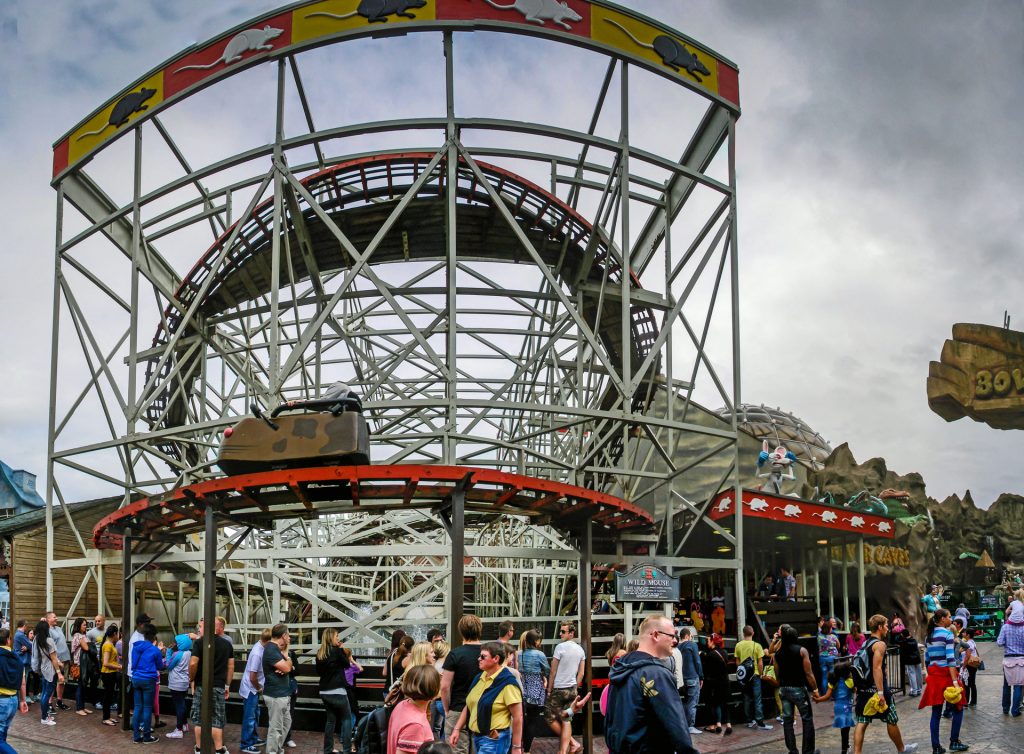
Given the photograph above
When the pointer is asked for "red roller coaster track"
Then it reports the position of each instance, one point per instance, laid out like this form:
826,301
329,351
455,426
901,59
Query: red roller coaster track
257,499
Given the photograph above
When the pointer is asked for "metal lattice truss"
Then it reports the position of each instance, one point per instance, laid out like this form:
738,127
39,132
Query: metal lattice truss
559,332
367,576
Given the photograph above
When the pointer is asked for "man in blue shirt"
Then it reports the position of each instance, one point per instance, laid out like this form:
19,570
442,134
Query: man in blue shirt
23,650
249,689
693,674
147,662
12,693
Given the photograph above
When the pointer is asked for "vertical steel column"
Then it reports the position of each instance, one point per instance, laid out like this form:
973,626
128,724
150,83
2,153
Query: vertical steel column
846,585
276,379
734,276
133,339
626,278
458,564
209,629
448,450
817,583
54,353
584,600
831,582
862,601
127,622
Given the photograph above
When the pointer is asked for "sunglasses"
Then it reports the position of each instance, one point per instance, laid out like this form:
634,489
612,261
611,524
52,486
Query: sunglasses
668,633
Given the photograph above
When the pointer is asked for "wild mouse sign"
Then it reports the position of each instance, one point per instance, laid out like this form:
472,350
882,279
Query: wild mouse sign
594,24
648,583
795,510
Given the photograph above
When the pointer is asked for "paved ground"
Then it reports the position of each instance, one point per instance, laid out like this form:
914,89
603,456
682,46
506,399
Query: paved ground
985,728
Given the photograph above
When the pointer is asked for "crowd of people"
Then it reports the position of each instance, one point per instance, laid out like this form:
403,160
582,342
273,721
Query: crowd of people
491,697
437,699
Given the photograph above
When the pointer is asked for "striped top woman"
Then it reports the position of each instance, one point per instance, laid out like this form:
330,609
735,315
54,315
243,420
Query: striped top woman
940,657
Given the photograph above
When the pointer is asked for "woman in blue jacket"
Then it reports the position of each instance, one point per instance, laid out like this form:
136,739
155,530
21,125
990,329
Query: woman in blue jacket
147,662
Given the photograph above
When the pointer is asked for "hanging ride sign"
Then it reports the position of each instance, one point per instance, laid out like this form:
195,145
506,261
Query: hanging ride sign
646,584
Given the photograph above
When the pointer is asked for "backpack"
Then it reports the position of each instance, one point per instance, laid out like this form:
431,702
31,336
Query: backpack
860,668
745,672
372,732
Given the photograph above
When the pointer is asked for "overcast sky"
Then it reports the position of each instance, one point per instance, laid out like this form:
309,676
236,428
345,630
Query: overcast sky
881,178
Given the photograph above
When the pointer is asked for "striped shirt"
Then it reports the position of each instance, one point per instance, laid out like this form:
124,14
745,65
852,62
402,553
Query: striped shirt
941,648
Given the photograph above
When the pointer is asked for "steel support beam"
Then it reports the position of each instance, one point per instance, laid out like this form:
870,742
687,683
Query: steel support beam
586,633
127,624
209,630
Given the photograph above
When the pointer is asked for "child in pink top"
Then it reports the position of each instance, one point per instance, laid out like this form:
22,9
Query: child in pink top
855,640
409,724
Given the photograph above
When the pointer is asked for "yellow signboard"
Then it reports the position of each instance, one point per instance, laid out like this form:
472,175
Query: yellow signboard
638,38
333,16
106,122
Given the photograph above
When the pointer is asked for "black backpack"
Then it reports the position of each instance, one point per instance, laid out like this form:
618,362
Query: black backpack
745,672
372,732
860,667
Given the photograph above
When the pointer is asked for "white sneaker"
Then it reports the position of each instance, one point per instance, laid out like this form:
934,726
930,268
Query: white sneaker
695,731
290,744
764,726
48,721
175,734
910,748
752,724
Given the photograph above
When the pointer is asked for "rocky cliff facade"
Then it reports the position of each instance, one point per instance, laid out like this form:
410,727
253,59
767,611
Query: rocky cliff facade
935,533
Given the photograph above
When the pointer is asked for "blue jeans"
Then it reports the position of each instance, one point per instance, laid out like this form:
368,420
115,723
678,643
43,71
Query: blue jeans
797,697
250,720
500,745
954,732
1018,692
827,663
48,687
692,697
80,694
752,707
337,710
8,709
142,716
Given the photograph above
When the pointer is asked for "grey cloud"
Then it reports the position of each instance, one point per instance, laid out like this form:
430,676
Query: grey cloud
880,190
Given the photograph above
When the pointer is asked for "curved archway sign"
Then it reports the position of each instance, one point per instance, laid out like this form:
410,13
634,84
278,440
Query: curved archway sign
594,24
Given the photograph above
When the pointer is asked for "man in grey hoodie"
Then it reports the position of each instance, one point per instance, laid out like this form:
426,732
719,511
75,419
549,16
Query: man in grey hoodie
645,715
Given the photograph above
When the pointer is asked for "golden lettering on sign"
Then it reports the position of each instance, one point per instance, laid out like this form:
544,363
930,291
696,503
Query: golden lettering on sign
883,555
998,382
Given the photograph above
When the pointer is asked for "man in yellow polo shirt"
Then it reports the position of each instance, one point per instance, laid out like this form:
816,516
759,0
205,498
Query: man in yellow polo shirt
748,649
12,692
494,706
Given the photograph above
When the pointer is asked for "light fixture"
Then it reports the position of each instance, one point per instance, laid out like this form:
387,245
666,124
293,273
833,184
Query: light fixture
782,537
822,542
724,548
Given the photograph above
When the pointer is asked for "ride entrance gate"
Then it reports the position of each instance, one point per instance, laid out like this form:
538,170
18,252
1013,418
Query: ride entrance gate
533,291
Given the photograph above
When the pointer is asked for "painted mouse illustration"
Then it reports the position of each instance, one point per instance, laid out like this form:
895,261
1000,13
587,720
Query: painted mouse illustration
672,52
250,40
758,504
780,461
539,11
124,108
377,11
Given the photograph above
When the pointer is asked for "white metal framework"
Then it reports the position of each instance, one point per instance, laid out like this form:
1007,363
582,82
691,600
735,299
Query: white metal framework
525,296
